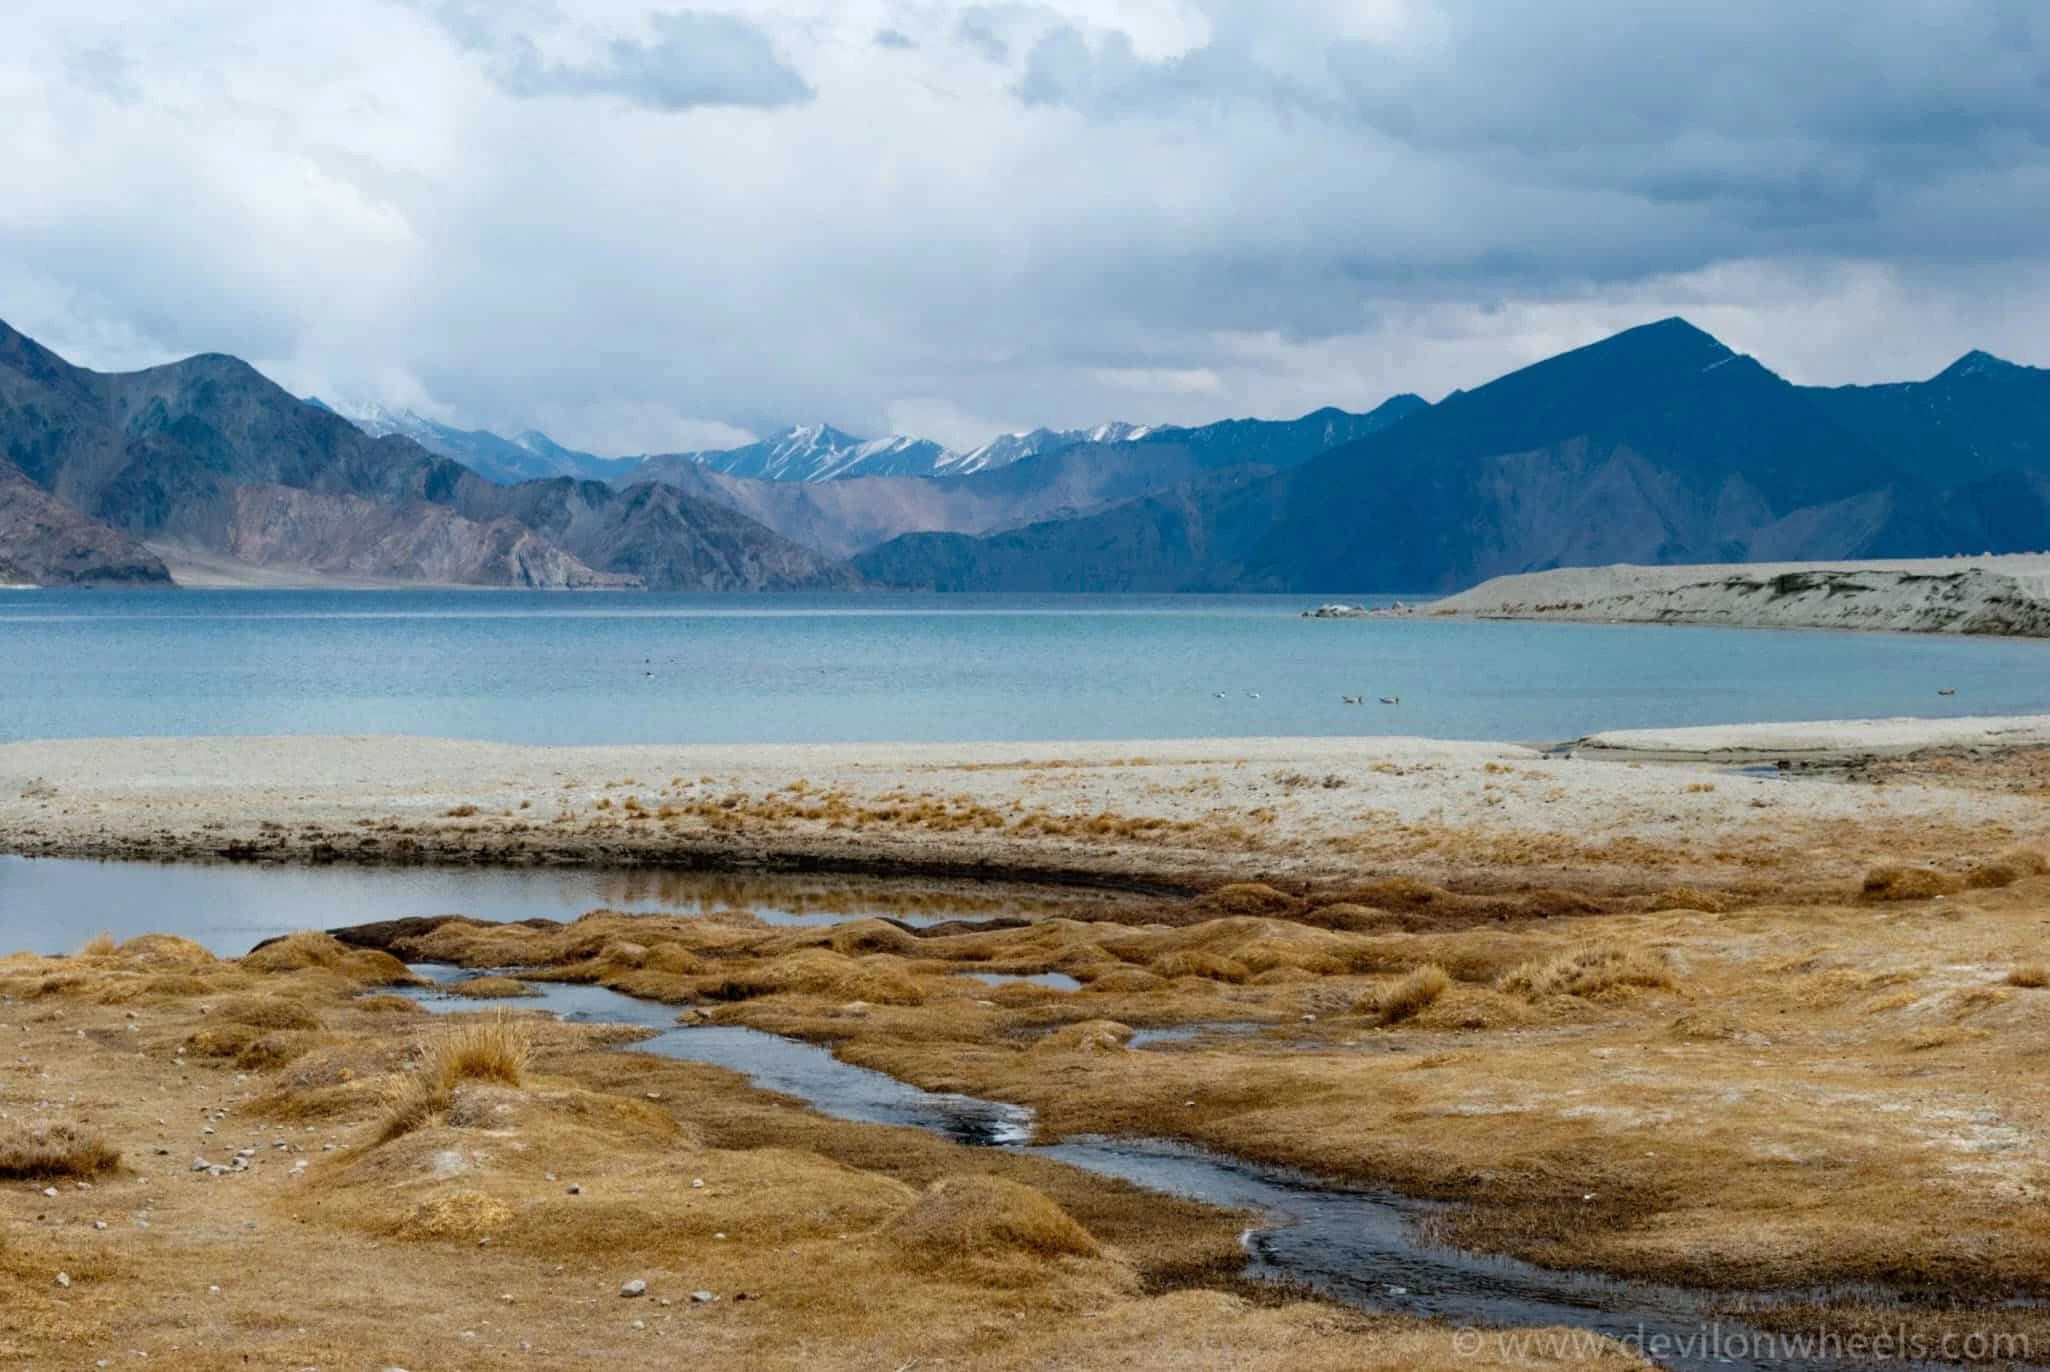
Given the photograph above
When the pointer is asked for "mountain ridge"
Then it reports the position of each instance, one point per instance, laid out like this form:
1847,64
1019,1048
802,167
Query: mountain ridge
208,454
1657,445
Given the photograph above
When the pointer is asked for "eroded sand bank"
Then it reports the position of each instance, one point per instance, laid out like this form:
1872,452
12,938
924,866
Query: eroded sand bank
1983,595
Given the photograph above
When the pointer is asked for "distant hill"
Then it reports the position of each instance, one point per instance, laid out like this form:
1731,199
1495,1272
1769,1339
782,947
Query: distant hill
208,455
1658,445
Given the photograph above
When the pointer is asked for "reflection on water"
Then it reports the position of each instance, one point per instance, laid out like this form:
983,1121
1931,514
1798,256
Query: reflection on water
52,905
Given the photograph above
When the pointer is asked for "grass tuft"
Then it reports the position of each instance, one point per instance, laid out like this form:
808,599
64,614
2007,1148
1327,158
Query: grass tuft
987,1229
1897,882
2016,864
1407,997
1590,972
2031,975
495,1050
54,1152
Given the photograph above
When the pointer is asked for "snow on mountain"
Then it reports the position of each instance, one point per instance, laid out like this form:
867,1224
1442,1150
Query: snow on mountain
532,455
809,452
1009,448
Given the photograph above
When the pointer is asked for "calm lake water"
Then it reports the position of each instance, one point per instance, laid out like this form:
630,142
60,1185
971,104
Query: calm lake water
541,668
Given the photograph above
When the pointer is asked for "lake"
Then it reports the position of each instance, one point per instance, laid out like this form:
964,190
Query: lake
650,668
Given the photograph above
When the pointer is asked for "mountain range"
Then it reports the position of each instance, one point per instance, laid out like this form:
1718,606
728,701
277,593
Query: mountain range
1659,444
122,478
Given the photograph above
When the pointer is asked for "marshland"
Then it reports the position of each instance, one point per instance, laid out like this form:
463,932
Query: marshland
1457,1035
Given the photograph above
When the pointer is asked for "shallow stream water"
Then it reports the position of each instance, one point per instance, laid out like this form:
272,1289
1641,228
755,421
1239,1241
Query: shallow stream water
1360,1247
52,905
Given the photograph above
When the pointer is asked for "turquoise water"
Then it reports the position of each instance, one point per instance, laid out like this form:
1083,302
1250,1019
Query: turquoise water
539,668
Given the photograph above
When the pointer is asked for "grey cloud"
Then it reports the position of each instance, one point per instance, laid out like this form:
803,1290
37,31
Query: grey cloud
104,69
1050,217
982,29
1108,79
894,40
693,59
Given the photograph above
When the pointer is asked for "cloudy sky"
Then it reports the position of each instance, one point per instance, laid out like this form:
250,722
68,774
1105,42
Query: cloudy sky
652,228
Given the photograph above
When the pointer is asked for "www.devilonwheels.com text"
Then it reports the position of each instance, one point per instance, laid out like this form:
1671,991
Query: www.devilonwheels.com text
1725,1343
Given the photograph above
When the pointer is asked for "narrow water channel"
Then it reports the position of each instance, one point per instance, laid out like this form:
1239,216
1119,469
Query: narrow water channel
1358,1247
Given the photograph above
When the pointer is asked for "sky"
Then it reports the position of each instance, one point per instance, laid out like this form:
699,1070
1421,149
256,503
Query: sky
652,229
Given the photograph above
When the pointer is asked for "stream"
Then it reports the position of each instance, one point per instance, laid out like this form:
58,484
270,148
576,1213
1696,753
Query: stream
1358,1247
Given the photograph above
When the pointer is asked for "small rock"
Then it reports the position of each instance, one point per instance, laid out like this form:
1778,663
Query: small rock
697,1183
639,1324
99,1224
64,1279
50,1191
636,1287
703,1297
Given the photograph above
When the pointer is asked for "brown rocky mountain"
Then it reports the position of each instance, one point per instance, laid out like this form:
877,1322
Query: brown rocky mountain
44,542
208,456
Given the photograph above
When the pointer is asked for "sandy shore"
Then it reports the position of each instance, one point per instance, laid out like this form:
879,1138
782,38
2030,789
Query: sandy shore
1178,815
1981,595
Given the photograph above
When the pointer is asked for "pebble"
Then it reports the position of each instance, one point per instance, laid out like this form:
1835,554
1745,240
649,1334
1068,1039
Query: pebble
636,1287
50,1191
64,1279
703,1297
575,1190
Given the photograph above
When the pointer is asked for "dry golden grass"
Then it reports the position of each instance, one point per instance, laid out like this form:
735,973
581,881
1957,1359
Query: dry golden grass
2033,975
1591,971
448,1242
54,1152
268,1012
492,988
987,1229
1409,996
1897,882
2016,864
495,1050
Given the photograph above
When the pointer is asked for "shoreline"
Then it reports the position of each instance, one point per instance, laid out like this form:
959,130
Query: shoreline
2003,596
1613,813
